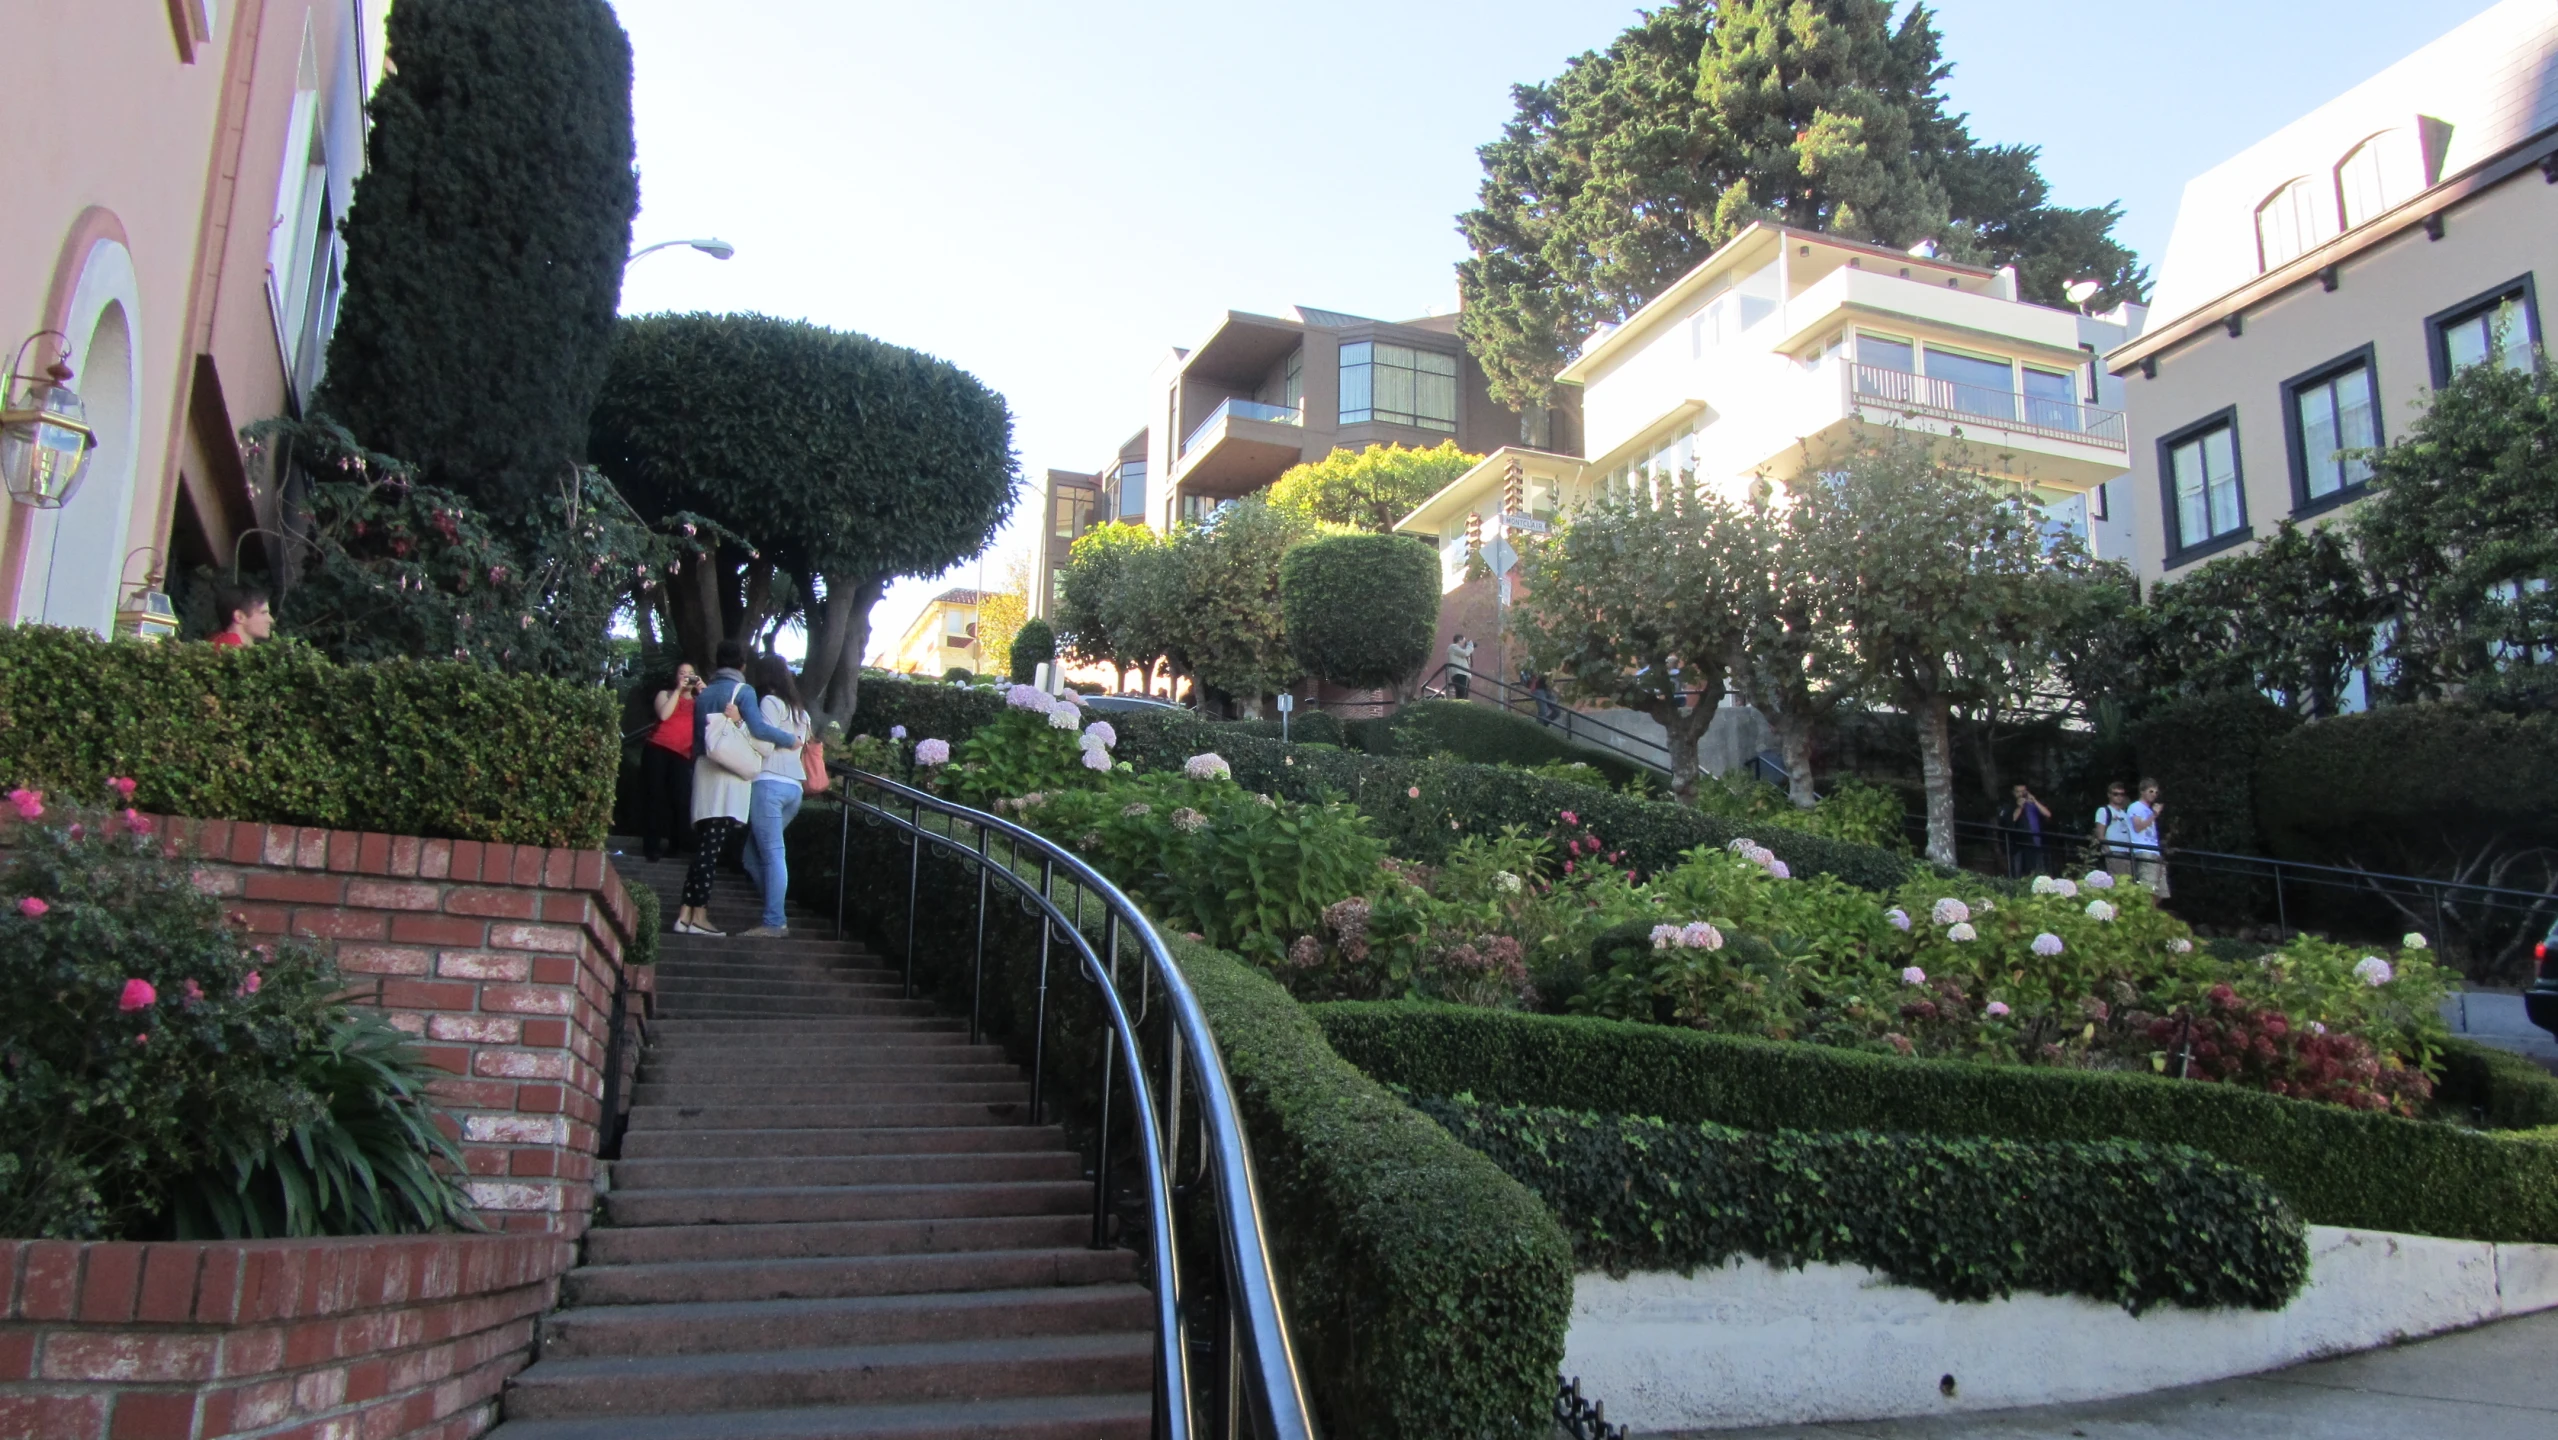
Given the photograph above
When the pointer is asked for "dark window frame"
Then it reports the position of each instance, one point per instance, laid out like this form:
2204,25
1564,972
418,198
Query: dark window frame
2179,553
2438,354
2295,445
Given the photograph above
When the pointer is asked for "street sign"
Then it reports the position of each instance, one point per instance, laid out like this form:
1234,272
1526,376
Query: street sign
1287,703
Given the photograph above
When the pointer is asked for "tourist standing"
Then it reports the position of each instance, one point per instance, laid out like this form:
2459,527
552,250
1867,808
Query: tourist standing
2114,831
1461,666
2149,850
245,613
1541,686
2026,817
722,799
666,769
778,792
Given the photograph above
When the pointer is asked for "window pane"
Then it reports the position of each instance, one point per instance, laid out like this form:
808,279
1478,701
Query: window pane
1971,384
2514,334
2193,522
2318,443
1355,353
1898,355
1394,390
2220,467
2051,399
1357,394
1394,355
2465,341
1431,362
2354,423
1435,399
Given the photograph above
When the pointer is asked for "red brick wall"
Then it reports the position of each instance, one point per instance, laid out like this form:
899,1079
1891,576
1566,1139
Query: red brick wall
501,959
373,1338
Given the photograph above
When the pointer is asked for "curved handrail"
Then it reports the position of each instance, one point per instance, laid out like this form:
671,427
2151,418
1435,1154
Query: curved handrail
1251,1290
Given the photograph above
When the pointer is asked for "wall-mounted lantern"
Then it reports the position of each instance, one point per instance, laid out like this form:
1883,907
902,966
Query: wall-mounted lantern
146,613
45,439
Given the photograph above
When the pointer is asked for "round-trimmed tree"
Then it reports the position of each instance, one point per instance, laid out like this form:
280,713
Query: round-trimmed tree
830,456
485,246
1034,645
1360,610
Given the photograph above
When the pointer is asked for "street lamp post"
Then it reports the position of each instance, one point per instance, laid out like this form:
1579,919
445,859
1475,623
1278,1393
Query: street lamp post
716,249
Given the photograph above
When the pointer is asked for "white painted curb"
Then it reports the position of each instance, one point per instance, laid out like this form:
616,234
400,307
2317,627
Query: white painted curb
1752,1345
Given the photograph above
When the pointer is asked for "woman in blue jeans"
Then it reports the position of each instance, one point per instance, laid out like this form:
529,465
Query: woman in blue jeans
777,790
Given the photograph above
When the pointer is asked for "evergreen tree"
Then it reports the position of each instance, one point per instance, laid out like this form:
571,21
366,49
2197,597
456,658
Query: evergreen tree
486,244
1620,175
1369,489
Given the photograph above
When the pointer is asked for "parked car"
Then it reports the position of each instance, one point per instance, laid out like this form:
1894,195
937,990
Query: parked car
2540,1002
1129,704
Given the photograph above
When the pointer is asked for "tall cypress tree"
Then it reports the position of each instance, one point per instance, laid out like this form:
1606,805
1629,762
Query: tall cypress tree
486,244
1621,174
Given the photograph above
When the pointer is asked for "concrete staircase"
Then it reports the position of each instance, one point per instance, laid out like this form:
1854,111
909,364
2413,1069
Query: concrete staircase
832,1219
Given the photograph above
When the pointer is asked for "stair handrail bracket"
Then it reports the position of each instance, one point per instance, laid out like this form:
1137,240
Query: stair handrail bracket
1251,1336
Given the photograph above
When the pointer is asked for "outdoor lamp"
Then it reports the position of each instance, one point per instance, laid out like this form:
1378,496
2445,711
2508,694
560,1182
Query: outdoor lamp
146,614
45,437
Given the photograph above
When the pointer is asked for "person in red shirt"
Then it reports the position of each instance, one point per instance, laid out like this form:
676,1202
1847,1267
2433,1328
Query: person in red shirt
666,769
246,615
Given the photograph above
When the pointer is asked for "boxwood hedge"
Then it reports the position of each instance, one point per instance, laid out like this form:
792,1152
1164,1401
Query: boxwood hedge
1965,1219
1486,735
1428,1293
2335,1166
278,733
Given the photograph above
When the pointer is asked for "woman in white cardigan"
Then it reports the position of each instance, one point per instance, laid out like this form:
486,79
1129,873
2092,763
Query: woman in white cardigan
777,791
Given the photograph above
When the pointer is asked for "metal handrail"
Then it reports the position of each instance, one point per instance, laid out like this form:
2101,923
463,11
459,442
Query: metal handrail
1954,400
1241,408
1575,724
1251,1336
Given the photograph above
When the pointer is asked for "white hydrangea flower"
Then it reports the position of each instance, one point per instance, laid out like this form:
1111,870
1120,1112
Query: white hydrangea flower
1697,935
2098,880
1096,758
1210,766
1063,718
1100,733
1897,918
1505,882
1913,976
2099,910
1026,697
2048,944
1962,931
2372,970
2066,889
1950,911
2046,885
1779,870
2412,941
2180,946
1664,936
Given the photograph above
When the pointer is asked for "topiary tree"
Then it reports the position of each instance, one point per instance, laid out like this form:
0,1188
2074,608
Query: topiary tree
1360,610
485,246
1089,597
1618,176
1369,489
1035,646
1228,622
827,455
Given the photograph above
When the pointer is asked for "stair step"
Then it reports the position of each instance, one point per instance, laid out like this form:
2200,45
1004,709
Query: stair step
804,1204
767,1031
1047,1417
982,1369
744,1006
665,1244
887,1169
884,1056
716,1094
713,1326
839,1141
834,1276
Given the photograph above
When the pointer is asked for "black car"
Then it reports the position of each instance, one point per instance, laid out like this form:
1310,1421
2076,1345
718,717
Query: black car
2540,1002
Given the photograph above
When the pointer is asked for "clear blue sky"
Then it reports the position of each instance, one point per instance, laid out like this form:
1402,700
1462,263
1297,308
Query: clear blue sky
1051,194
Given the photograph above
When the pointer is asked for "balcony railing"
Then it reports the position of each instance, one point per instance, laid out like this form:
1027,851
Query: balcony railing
1243,410
2053,418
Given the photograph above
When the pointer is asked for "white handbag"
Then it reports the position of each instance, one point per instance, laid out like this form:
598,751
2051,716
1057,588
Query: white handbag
726,744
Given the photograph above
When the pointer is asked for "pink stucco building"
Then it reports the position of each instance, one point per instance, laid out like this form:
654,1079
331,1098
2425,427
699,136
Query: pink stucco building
169,192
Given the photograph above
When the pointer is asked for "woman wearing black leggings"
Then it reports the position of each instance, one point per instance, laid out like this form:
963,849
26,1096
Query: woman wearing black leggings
721,800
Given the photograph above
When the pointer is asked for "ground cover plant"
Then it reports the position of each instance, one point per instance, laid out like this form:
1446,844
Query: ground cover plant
161,1074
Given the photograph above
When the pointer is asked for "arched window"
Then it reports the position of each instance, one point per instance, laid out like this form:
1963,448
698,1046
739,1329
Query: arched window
2289,222
2382,173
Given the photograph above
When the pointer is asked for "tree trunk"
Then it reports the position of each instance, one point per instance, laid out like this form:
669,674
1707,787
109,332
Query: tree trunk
1794,742
825,639
848,673
1936,768
1684,726
693,601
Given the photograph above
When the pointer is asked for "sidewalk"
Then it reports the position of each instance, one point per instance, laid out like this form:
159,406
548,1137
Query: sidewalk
2492,1383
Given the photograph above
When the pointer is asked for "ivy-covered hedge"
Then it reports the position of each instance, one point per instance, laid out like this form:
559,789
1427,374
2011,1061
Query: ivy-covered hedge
1428,1293
277,733
2335,1166
1965,1219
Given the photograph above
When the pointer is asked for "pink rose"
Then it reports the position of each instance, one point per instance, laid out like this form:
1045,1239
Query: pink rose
137,822
142,1038
1567,867
1996,1008
138,995
1571,819
33,908
251,984
1412,793
123,786
194,991
30,803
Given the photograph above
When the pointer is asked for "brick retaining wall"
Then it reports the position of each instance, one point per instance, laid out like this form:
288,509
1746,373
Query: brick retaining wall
396,1338
501,959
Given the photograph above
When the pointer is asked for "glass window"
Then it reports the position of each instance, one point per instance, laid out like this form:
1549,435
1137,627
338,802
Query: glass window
2336,416
1132,489
1398,385
2051,399
1886,353
1971,384
2289,222
2382,172
1286,386
2203,472
1073,512
2500,329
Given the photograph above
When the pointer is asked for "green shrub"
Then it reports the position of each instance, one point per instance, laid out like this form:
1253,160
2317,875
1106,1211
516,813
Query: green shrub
279,734
2497,1089
1427,1292
1460,799
1964,1219
1305,727
647,924
2406,787
1360,609
160,1066
1489,735
2203,753
1033,646
928,711
2335,1166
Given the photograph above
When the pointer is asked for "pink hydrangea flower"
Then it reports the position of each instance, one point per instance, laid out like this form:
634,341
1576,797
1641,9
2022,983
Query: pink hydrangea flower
1897,918
1778,869
1995,1009
1100,733
194,991
1913,975
252,984
932,752
30,803
1698,935
138,995
1570,819
33,908
1664,936
138,823
123,786
896,732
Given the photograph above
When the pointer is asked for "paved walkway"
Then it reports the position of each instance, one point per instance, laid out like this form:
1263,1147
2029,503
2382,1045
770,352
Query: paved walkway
2496,1382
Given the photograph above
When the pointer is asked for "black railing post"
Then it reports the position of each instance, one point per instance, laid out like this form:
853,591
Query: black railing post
914,874
843,867
1039,1008
977,972
1109,1059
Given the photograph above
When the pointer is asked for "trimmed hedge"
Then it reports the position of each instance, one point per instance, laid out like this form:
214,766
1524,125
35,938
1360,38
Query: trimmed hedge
2408,784
648,922
1306,727
2497,1088
2203,751
1428,1293
279,734
2336,1166
1360,610
938,710
1488,735
1963,1219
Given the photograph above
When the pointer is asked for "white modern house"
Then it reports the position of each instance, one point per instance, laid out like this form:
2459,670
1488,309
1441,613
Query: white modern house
1768,359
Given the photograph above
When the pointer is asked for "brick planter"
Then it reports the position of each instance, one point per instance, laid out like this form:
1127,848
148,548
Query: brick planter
373,1338
501,959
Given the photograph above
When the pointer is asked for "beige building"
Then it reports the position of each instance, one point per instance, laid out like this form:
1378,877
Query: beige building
2320,283
943,636
174,174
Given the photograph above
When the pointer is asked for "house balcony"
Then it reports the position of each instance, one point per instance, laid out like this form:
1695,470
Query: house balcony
1240,446
2060,445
